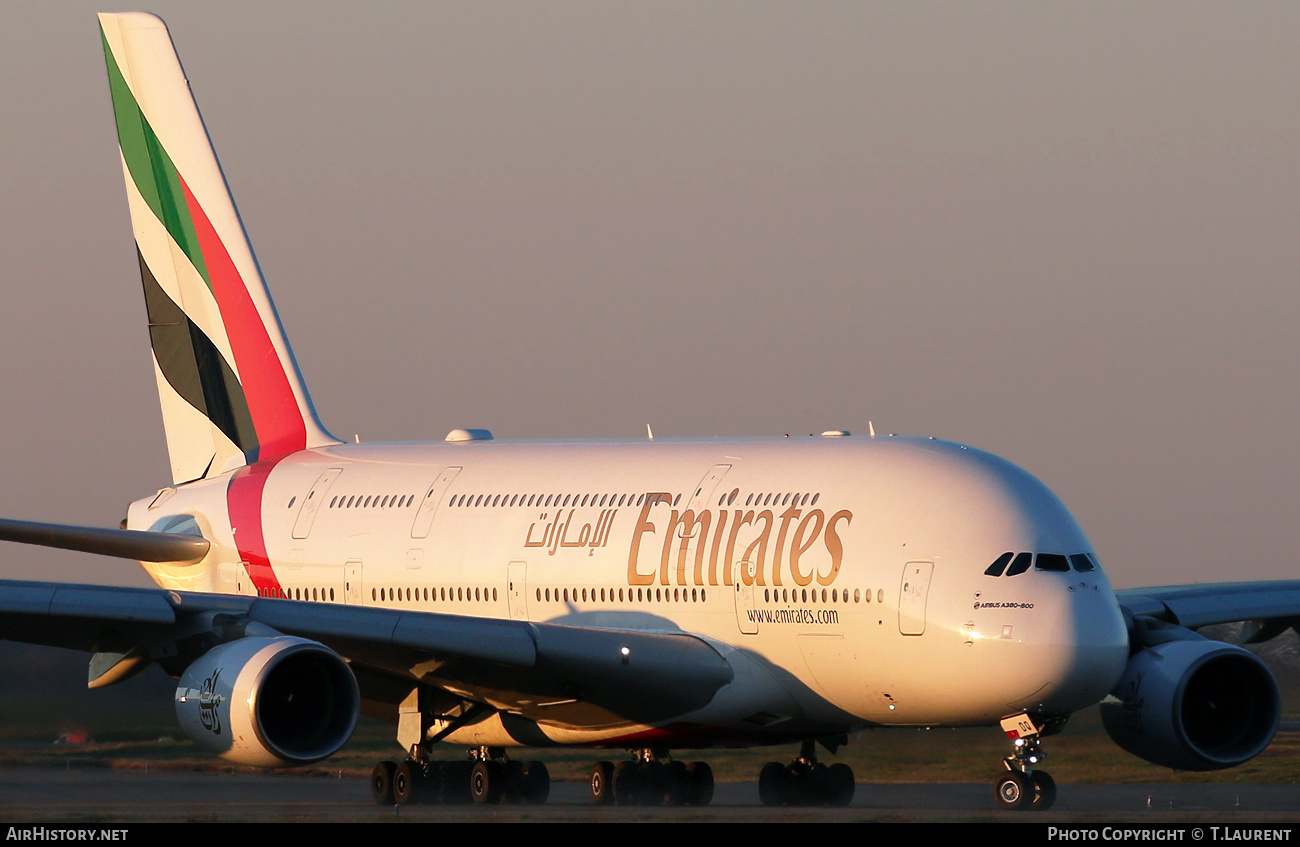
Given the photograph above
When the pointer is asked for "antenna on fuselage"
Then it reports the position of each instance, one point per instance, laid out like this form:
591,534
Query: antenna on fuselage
871,429
649,432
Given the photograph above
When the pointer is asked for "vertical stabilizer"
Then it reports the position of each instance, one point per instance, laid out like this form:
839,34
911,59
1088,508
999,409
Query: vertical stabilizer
230,389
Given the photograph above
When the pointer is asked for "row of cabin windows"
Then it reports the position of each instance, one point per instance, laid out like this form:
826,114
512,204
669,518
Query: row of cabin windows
833,595
461,594
618,500
281,593
365,501
698,595
542,501
401,501
789,499
442,594
641,595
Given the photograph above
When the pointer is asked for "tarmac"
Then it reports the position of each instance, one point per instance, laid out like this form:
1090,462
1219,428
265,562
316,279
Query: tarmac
99,796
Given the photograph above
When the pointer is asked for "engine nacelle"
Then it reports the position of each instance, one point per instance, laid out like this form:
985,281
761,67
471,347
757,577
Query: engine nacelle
269,702
1194,705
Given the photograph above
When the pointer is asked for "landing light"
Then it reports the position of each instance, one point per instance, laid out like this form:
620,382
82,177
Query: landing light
625,653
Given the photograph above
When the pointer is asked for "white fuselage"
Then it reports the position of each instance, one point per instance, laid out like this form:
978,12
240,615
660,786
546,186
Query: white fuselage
842,577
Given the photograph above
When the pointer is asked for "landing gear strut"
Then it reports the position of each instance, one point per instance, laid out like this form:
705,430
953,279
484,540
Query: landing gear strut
652,778
805,781
1022,788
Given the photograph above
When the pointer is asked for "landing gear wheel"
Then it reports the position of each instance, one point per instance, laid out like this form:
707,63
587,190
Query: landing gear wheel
602,784
1044,792
406,783
675,784
381,783
537,783
1013,791
485,783
652,778
699,784
839,785
626,783
772,784
512,782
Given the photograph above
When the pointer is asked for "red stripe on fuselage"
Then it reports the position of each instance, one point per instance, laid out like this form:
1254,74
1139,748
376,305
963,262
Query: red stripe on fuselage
244,505
277,418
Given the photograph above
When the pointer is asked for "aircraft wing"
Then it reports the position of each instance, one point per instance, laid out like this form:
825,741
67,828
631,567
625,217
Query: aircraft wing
1269,608
625,674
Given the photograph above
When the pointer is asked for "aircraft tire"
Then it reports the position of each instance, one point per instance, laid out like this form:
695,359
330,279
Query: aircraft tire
406,783
381,783
839,785
653,779
1044,792
626,783
485,783
512,782
602,784
772,784
537,783
676,784
699,779
1013,791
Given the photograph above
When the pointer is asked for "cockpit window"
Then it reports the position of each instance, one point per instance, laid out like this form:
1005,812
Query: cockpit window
1082,562
997,567
1021,564
1051,562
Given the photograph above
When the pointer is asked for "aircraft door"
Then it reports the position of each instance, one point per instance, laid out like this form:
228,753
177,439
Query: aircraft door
352,583
311,505
689,540
912,596
429,505
742,587
517,590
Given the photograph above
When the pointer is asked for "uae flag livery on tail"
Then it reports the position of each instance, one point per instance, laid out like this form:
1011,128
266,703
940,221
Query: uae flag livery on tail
230,389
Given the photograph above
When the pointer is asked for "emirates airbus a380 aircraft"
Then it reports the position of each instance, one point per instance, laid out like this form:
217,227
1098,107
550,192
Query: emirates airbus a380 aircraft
648,596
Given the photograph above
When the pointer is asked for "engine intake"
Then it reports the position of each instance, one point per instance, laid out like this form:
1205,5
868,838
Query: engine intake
1194,705
269,702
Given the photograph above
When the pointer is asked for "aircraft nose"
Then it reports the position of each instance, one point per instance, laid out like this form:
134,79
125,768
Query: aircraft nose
1088,645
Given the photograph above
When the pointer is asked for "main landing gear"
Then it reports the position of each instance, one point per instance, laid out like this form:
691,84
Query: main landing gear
805,781
652,778
487,776
1022,788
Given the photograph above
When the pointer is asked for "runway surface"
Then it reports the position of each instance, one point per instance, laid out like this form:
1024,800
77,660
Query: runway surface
108,796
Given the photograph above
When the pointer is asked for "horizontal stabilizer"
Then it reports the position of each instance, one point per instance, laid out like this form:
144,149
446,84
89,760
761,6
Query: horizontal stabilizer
122,543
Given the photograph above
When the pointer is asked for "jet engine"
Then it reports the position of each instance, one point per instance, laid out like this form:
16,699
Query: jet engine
1195,705
269,702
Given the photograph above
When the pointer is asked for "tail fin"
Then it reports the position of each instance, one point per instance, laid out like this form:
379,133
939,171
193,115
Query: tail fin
230,389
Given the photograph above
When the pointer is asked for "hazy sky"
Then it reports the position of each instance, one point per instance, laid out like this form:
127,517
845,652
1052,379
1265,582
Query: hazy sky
1059,232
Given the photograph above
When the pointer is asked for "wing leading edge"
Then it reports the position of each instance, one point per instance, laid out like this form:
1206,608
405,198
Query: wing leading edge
632,675
1268,608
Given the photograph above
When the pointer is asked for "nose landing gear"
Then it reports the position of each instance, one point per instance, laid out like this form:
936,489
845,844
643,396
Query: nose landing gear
1022,788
